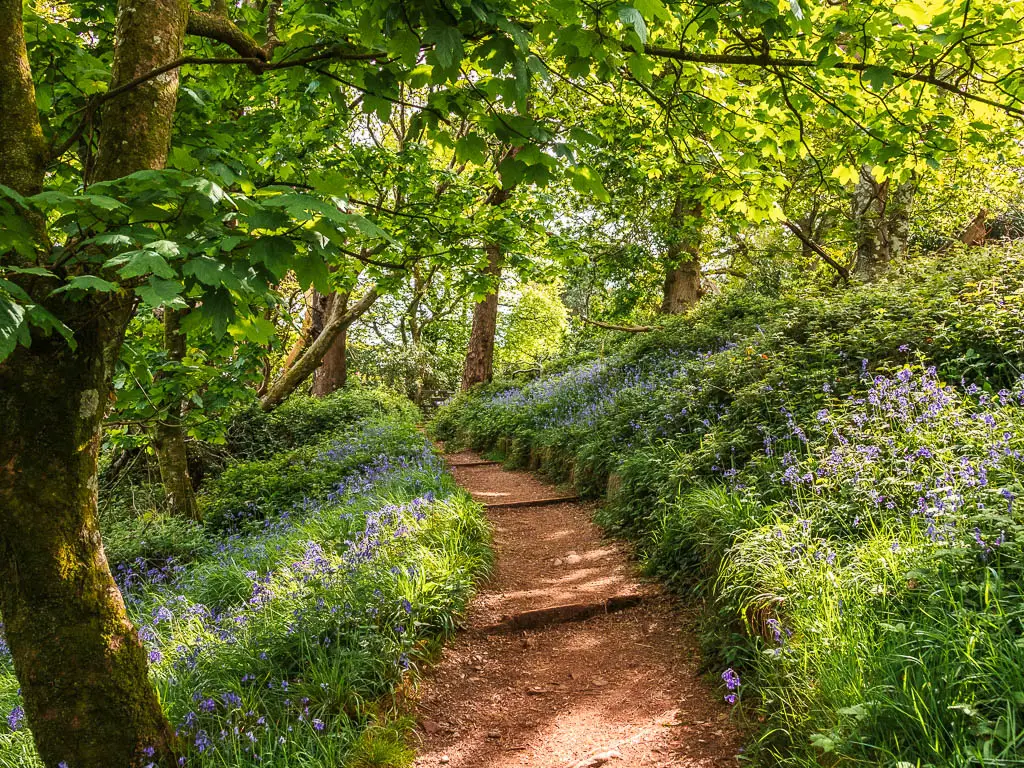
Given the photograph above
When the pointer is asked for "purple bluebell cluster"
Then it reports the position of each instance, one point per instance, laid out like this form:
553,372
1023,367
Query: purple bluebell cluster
732,684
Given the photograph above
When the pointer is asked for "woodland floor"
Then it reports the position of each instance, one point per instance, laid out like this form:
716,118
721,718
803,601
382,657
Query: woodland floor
619,688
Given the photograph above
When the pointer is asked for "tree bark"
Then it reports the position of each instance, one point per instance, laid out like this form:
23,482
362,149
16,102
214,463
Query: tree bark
333,371
881,215
340,318
682,288
479,365
22,146
79,661
169,434
136,126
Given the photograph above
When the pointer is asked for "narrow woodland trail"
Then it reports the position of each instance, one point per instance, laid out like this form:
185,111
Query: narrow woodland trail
529,686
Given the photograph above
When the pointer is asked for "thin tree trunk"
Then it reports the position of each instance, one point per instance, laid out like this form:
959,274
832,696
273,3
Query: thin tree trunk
682,289
333,371
479,365
169,434
79,661
338,321
881,215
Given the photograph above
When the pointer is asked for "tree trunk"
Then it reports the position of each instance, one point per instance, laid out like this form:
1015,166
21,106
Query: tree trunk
169,434
881,216
22,146
333,370
682,289
79,661
340,318
479,365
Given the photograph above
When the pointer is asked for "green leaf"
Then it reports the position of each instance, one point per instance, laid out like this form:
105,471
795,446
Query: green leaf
641,67
37,271
12,327
879,78
138,263
211,272
652,9
471,148
406,46
447,45
159,293
87,283
631,17
586,180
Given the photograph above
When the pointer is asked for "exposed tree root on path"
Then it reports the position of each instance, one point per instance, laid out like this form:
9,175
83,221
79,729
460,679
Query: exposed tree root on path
607,673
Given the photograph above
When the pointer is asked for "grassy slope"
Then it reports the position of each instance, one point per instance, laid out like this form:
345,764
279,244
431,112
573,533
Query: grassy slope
284,631
836,473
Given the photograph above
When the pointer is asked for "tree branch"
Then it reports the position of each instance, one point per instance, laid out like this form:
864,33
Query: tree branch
843,271
218,27
340,319
767,61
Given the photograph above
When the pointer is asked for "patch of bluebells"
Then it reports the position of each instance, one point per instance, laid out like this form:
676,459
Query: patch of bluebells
346,592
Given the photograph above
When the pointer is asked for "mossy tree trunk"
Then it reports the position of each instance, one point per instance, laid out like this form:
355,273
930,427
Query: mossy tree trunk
79,661
169,433
881,219
682,289
82,669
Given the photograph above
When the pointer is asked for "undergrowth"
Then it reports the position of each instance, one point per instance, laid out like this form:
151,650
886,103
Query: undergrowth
287,629
836,476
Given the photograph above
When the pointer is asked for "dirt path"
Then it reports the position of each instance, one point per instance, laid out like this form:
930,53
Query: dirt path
619,688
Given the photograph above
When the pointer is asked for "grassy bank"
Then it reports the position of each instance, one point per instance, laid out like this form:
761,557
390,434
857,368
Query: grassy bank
285,630
837,476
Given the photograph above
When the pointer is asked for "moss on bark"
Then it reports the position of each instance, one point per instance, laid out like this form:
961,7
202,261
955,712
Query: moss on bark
78,658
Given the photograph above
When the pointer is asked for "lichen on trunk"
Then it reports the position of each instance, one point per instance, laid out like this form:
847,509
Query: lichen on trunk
682,288
79,661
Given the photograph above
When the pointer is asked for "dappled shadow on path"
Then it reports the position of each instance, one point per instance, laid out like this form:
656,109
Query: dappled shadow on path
626,682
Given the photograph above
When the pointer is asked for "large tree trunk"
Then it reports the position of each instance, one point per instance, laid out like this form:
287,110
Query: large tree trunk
479,365
333,371
337,322
881,216
682,289
169,434
78,658
22,146
79,661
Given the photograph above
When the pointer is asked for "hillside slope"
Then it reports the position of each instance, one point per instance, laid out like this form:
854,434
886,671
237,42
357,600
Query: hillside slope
836,475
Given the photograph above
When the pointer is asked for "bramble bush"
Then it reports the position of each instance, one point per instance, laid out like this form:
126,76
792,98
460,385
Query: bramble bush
836,475
288,634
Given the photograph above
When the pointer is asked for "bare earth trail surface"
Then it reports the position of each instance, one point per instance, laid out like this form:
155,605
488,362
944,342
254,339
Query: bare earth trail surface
620,688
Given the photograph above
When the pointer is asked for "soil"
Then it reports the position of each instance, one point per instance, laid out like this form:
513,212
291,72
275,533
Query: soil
621,689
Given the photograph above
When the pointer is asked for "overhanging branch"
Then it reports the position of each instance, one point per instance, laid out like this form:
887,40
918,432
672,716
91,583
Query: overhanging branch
766,61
